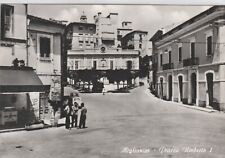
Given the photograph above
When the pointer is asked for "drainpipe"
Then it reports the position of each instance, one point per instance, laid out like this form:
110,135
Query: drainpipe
27,63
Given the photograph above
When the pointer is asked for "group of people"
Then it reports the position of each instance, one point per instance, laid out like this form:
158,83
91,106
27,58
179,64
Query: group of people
71,111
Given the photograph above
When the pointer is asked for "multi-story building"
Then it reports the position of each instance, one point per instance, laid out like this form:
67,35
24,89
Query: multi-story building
19,84
189,60
106,29
136,40
45,48
95,46
125,29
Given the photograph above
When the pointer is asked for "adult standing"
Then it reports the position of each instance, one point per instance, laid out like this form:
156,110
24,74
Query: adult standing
83,116
67,110
74,114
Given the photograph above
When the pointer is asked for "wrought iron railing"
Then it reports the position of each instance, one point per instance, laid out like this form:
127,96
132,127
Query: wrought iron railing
167,66
190,61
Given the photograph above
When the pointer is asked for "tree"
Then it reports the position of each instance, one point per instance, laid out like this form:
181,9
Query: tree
144,66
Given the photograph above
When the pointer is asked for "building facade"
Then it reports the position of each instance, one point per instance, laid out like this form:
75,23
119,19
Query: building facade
20,86
136,40
96,46
45,47
188,61
106,29
13,33
125,29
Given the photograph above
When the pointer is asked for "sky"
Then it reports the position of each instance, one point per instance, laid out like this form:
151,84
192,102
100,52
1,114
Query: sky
144,17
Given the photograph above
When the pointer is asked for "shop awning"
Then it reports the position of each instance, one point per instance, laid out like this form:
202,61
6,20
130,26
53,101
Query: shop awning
20,80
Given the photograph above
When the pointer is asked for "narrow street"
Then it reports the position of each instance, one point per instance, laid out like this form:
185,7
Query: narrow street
121,124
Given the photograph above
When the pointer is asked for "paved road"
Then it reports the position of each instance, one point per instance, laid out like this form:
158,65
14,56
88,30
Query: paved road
126,125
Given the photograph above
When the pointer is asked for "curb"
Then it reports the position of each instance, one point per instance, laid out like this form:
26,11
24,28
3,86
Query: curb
183,105
24,129
199,108
12,130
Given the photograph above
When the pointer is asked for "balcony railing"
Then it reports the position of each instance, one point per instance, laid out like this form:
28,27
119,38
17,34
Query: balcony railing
190,62
167,66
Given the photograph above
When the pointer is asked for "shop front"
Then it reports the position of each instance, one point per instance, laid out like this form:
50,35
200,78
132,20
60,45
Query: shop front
20,90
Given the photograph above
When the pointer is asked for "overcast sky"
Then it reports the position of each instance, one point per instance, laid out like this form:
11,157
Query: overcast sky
144,17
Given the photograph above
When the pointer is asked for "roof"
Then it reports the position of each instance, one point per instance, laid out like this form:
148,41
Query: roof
111,14
192,20
124,29
126,22
74,23
157,35
20,79
135,31
38,19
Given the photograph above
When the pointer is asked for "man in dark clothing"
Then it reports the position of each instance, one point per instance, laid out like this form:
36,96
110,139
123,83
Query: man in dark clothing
83,117
67,110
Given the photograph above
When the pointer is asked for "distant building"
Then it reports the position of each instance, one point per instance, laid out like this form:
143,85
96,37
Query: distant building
125,29
189,61
106,29
96,46
45,50
136,40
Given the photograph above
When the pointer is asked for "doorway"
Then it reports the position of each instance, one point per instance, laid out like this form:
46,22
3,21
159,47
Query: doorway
170,86
209,77
193,88
161,87
180,81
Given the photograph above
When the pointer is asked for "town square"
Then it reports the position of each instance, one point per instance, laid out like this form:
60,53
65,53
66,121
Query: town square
101,80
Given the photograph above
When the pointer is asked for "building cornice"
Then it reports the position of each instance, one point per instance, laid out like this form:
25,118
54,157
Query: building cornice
171,36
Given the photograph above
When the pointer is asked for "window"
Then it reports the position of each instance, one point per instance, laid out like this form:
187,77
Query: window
7,17
129,65
45,47
94,64
192,49
111,65
92,40
179,53
170,56
140,46
161,59
140,38
209,45
76,65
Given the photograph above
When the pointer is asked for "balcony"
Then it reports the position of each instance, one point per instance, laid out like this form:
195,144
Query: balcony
190,62
167,66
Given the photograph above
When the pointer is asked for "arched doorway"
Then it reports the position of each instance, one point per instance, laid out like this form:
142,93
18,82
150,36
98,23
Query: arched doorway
170,87
209,78
193,88
180,82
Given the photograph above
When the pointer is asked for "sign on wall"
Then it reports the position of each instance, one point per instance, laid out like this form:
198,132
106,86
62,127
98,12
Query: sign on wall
34,98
